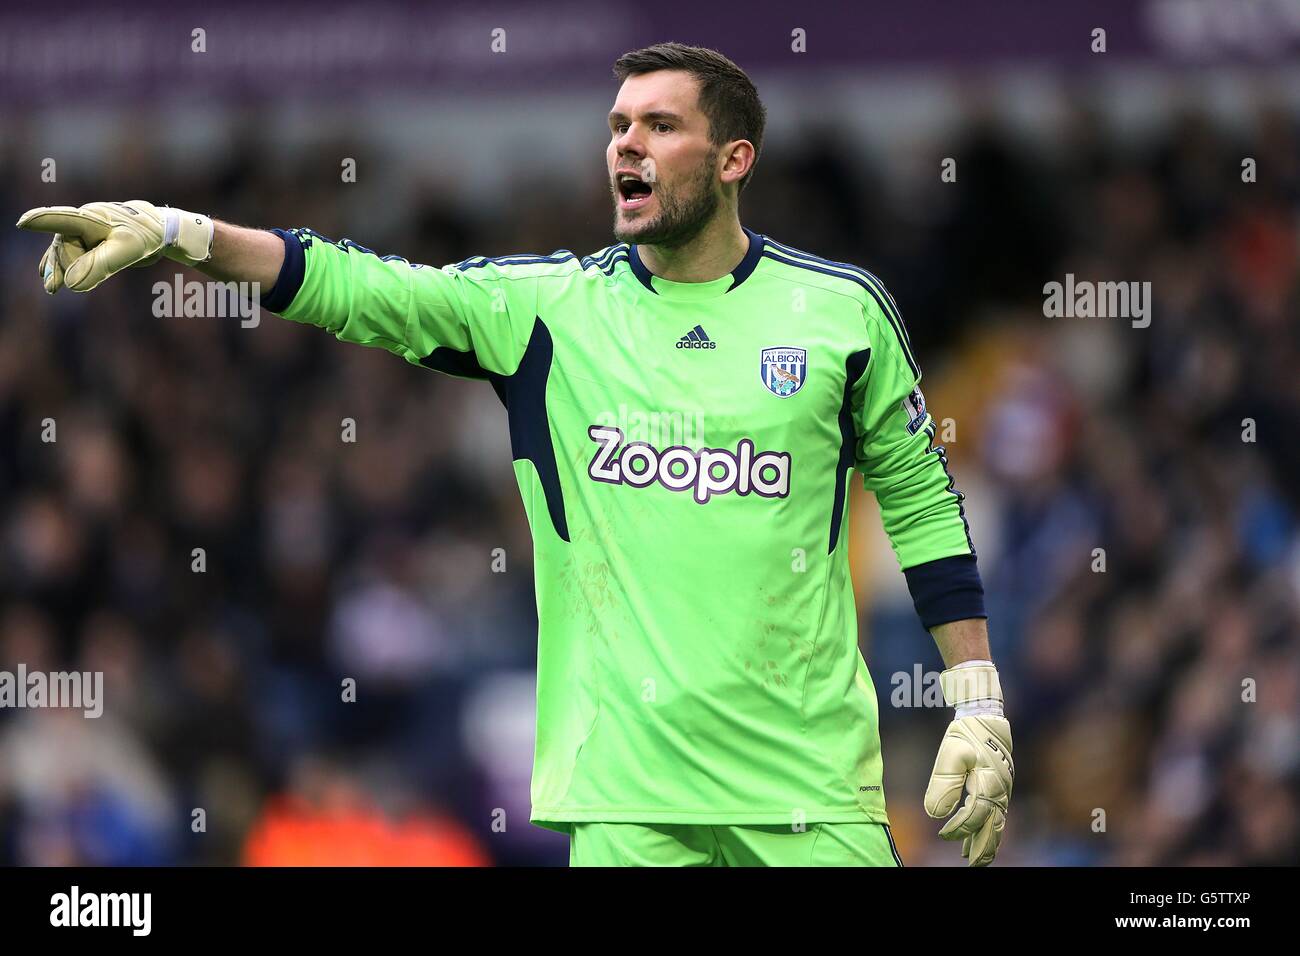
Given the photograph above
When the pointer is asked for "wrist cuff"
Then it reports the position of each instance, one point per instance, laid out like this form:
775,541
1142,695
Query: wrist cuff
187,236
289,281
977,686
946,590
979,710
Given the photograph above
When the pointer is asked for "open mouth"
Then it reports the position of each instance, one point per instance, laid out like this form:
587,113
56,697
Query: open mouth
633,191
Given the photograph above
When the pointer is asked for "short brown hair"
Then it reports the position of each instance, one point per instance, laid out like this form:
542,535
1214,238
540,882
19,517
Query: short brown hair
727,95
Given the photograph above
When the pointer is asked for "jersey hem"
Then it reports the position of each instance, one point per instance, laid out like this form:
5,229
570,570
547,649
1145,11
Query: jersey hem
560,819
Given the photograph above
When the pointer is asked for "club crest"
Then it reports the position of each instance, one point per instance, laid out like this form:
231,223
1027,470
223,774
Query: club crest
784,370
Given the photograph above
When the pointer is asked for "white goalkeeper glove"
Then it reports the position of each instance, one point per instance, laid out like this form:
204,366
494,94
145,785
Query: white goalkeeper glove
101,239
975,757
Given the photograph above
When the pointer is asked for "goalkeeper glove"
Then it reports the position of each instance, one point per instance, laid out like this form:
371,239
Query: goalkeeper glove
974,756
101,239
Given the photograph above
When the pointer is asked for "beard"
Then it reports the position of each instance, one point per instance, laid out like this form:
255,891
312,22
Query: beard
684,211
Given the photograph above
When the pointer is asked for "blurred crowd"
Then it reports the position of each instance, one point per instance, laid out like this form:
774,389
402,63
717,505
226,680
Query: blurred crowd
1133,495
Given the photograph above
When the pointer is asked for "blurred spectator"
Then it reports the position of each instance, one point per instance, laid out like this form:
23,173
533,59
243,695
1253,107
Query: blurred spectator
327,821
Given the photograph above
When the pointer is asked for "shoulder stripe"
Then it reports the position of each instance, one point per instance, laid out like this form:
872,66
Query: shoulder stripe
609,267
829,268
602,258
607,259
305,237
519,259
891,310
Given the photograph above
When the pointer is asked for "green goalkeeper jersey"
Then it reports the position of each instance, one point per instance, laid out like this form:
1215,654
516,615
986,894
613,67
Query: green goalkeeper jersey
684,453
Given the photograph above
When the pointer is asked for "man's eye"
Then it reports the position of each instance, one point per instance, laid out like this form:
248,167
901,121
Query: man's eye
663,128
620,127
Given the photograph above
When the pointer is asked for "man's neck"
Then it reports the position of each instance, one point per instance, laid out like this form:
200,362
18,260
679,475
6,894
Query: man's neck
714,253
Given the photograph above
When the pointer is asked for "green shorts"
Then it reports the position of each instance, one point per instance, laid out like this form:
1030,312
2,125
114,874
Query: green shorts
673,844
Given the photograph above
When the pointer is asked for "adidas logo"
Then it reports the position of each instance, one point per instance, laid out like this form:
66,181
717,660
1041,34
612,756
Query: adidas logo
696,338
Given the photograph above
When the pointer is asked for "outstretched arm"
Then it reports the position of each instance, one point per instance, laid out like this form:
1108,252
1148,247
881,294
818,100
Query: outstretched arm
472,320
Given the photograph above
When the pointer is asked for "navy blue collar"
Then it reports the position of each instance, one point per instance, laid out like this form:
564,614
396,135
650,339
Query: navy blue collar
738,275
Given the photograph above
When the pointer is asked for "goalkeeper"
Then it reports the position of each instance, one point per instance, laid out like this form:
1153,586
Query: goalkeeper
701,698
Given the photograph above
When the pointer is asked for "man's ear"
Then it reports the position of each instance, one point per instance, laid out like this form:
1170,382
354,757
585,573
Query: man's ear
739,156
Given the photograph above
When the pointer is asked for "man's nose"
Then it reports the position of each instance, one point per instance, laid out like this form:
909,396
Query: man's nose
629,144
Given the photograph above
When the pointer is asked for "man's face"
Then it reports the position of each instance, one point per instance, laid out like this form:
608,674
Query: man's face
663,170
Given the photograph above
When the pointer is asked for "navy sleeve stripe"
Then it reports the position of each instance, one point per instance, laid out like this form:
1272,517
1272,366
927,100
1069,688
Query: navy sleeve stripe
854,367
952,482
946,590
289,281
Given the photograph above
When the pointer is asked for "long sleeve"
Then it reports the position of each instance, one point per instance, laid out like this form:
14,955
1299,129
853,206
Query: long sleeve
465,319
920,506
